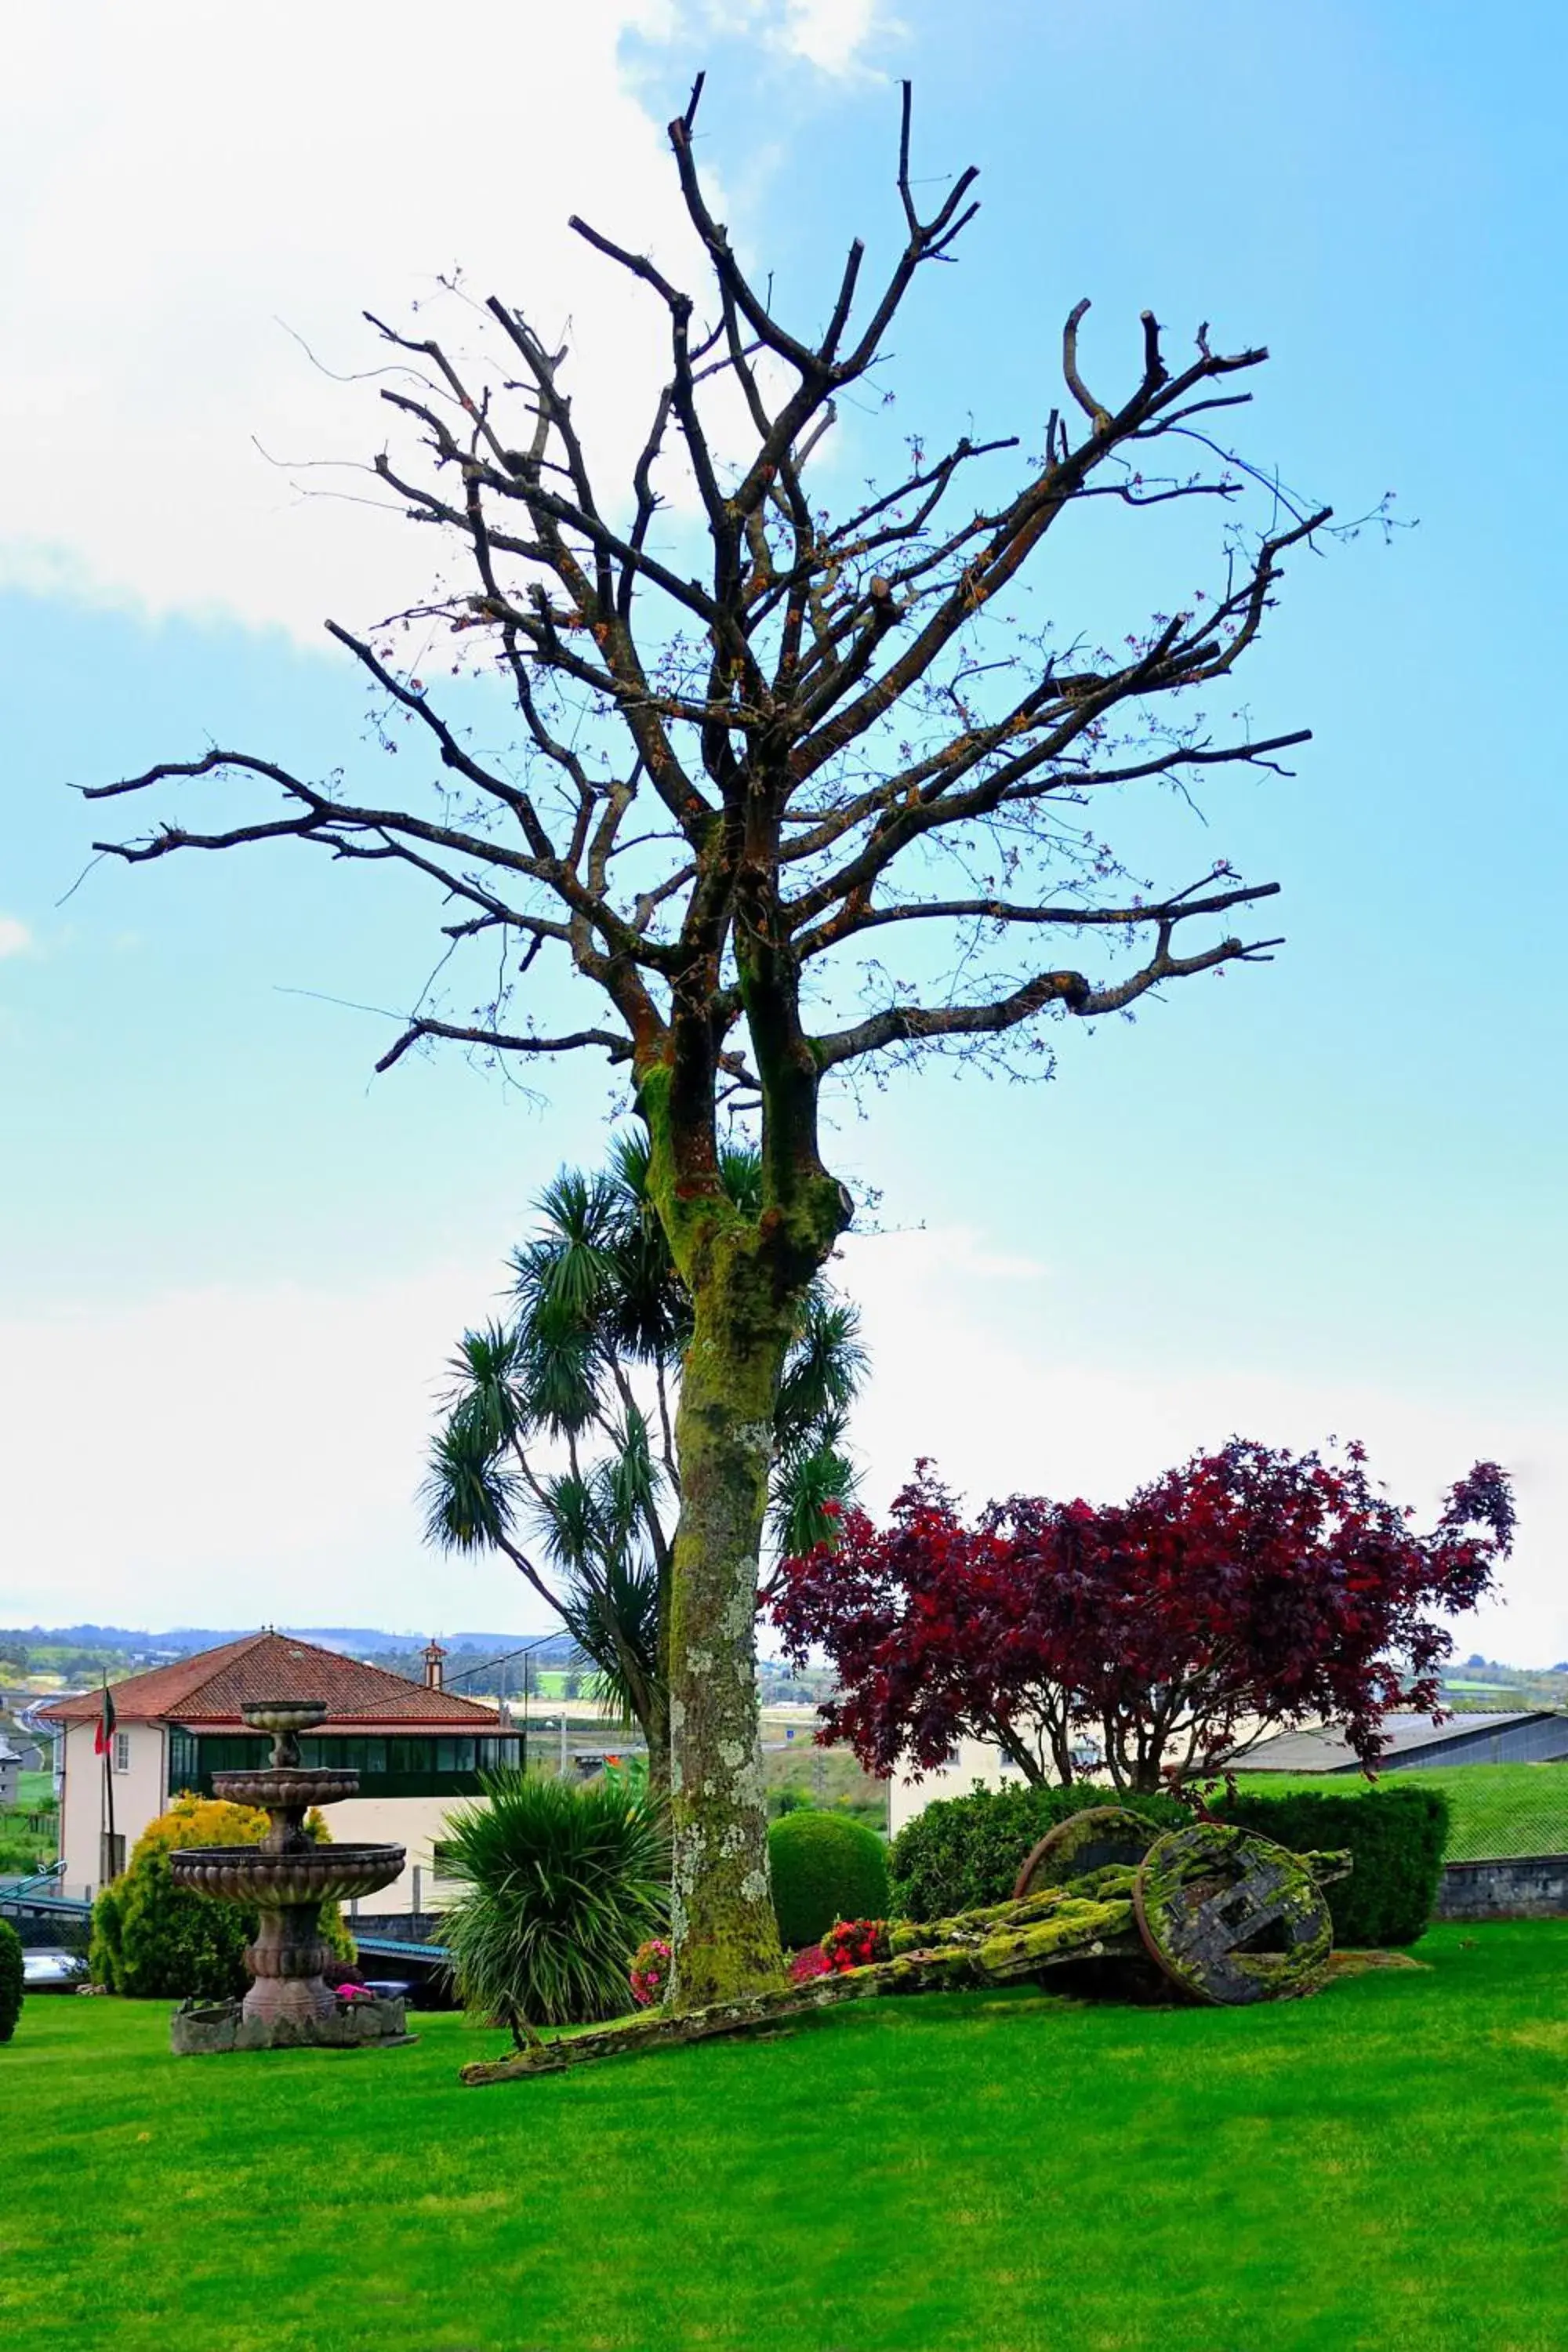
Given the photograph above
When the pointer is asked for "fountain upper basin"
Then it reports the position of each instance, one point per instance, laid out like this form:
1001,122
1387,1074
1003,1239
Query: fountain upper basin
284,1786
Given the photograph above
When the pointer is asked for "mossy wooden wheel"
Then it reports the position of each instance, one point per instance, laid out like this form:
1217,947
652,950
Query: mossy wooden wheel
1232,1917
1084,1842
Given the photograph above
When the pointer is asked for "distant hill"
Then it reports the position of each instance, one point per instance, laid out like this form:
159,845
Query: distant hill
362,1640
1480,1686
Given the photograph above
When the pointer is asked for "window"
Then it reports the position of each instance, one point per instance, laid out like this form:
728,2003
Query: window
401,1764
122,1751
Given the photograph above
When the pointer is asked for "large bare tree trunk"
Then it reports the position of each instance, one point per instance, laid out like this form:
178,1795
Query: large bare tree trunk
725,1938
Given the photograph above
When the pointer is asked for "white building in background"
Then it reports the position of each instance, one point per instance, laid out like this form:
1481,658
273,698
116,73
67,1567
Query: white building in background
974,1761
417,1749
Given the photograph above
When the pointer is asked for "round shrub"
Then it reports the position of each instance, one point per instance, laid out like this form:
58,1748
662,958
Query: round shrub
153,1940
10,1979
824,1868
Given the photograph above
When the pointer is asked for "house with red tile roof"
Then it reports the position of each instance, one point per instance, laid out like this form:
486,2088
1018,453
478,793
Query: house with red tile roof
418,1748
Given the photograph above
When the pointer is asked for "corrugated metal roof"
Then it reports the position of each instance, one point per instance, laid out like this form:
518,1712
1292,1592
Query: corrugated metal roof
209,1689
1326,1750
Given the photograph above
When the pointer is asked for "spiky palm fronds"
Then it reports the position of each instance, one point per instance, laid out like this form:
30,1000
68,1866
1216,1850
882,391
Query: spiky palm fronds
559,1886
823,1371
598,1297
614,1623
469,1492
806,1480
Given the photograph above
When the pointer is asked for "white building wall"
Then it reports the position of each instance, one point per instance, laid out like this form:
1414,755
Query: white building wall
139,1796
976,1760
416,1823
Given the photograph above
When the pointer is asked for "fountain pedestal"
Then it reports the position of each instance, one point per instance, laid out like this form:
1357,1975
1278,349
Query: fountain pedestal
286,1878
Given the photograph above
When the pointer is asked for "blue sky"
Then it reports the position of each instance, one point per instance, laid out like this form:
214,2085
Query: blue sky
1320,1195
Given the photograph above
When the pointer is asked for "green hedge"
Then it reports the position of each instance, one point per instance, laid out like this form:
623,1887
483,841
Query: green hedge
11,1980
966,1851
1397,1835
824,1867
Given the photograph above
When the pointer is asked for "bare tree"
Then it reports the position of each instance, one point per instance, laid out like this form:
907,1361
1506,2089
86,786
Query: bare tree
731,792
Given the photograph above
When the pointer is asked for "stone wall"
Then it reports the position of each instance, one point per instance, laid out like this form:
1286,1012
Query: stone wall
1531,1887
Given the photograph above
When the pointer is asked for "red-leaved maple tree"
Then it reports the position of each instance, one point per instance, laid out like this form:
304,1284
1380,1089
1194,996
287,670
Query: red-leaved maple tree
1248,1590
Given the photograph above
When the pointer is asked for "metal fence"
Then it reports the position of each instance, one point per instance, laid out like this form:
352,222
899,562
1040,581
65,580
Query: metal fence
1498,1812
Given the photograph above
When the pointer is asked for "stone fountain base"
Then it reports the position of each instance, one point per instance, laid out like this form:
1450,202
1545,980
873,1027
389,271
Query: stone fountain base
207,2029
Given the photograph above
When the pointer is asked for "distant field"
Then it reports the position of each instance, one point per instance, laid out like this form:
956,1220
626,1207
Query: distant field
826,1777
1496,1809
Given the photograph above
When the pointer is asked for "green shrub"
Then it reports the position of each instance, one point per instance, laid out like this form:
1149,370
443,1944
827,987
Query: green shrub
824,1867
11,1980
560,1886
1396,1836
153,1940
964,1852
106,1950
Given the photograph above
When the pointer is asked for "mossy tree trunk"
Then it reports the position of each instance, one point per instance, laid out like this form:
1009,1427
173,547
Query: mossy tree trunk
747,1281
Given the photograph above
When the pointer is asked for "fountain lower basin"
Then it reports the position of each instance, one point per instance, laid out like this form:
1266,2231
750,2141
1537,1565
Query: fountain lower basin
314,1874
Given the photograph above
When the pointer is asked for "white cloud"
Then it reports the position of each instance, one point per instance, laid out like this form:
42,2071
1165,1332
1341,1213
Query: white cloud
223,1456
16,939
831,34
178,179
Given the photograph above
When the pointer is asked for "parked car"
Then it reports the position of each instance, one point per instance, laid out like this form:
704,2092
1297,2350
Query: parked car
53,1972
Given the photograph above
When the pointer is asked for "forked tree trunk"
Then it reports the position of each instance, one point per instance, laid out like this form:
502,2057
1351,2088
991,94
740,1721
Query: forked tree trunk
725,1936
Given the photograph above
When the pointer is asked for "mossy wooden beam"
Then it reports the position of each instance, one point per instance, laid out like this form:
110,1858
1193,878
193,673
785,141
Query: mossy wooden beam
989,1947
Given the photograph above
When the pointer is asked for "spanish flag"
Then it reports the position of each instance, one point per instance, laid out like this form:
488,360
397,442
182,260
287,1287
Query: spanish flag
105,1732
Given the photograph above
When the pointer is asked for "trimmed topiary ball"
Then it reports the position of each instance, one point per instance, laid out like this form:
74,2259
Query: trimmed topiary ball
824,1868
11,1980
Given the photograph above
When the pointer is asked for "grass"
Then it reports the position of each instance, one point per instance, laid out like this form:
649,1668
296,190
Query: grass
1377,2169
1495,1810
23,1849
829,1778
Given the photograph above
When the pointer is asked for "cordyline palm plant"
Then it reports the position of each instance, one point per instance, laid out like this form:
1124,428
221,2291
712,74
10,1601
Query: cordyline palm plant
587,1369
560,1886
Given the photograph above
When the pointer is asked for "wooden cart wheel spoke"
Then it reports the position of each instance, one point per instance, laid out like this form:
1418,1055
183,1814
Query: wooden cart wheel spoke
1231,1918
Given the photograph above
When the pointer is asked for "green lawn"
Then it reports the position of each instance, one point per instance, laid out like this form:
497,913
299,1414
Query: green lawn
1494,1809
1377,2169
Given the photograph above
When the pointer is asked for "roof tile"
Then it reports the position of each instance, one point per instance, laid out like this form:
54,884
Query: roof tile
212,1687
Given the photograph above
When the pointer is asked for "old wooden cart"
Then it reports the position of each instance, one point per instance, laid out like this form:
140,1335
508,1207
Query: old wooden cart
1221,1916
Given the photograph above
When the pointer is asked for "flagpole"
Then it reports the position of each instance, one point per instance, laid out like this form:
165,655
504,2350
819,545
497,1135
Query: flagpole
108,1856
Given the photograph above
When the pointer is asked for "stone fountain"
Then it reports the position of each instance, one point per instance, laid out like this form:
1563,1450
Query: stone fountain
285,1879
